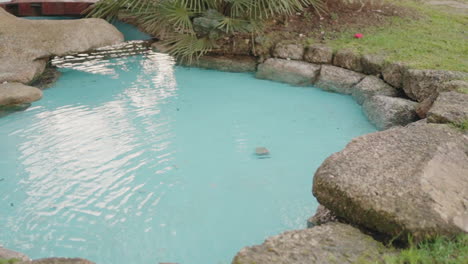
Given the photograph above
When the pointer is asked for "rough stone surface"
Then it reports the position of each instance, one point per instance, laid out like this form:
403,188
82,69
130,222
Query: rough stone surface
17,93
449,107
372,64
329,243
227,63
405,180
421,84
289,51
348,59
59,261
337,79
370,86
26,44
322,216
287,71
455,85
425,106
393,74
10,254
319,54
385,112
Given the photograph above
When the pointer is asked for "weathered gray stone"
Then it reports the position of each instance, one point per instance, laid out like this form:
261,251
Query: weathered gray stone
372,64
10,254
26,44
337,79
289,51
287,71
17,93
424,106
385,112
329,243
227,63
59,261
405,180
421,84
370,86
348,59
319,54
455,85
393,74
321,216
449,107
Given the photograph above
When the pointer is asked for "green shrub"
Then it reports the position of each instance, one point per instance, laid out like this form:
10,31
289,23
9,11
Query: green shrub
190,28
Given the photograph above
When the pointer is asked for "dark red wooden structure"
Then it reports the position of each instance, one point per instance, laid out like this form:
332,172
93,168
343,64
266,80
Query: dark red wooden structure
46,7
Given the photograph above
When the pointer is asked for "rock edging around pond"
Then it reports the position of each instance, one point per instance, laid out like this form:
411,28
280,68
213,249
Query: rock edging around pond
406,95
27,45
410,180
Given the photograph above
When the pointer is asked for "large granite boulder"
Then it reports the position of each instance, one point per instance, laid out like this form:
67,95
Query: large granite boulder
337,79
370,86
329,243
386,112
227,63
17,93
449,107
288,71
289,51
319,54
422,84
26,44
405,180
10,254
348,59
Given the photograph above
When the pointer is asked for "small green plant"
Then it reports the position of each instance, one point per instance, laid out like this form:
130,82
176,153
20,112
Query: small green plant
439,251
8,261
463,125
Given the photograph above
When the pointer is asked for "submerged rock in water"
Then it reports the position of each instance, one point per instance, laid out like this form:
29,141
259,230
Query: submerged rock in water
262,151
328,243
406,180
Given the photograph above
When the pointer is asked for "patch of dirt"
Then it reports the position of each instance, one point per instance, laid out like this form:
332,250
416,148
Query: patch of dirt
314,26
338,15
452,6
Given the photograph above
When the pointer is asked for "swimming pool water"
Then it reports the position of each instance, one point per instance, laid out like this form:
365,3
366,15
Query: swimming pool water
147,162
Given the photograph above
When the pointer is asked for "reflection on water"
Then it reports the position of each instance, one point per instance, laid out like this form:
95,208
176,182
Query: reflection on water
134,160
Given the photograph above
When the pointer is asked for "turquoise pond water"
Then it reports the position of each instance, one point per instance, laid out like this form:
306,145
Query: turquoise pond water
135,160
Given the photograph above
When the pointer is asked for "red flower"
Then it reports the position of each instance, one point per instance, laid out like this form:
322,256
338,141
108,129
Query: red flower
358,35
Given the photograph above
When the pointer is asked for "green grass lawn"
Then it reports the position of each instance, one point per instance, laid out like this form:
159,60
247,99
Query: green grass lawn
430,39
8,261
440,251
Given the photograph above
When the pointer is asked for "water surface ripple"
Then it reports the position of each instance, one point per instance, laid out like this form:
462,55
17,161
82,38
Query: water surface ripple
134,160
